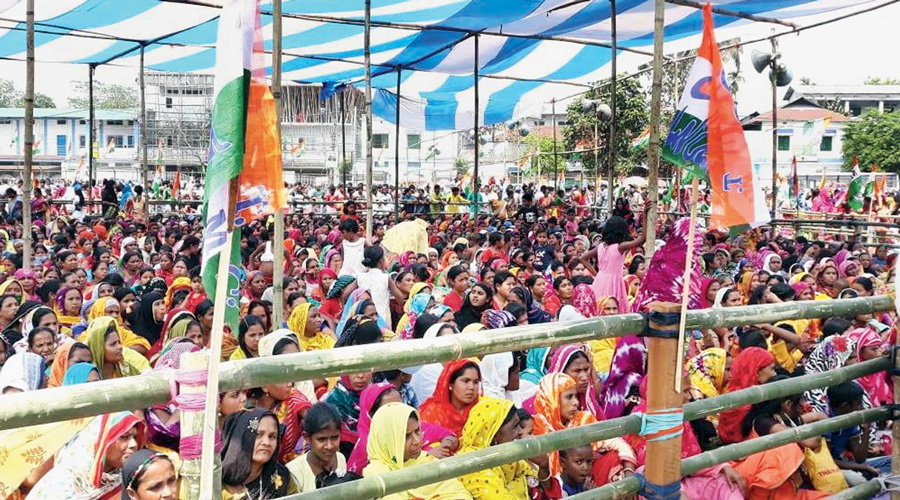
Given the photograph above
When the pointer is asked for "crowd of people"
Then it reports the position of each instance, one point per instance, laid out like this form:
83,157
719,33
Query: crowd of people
118,292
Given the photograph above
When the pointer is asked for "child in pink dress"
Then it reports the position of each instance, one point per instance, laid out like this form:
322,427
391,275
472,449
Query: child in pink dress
610,277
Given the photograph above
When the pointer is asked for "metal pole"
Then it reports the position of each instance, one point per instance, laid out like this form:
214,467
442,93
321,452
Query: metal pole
369,173
343,142
772,77
90,141
29,135
476,180
397,150
144,164
611,170
555,156
278,237
655,112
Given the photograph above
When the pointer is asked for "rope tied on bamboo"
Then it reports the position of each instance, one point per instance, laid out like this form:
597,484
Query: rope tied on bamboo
660,425
650,491
666,320
191,447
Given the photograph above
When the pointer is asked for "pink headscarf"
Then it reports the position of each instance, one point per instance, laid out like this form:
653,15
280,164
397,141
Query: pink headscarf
845,265
359,458
800,287
877,385
584,300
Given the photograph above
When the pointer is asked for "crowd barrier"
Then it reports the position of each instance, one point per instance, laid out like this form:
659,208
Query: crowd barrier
57,404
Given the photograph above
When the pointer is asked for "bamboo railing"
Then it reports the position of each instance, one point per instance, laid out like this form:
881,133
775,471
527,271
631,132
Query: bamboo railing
57,404
467,463
865,490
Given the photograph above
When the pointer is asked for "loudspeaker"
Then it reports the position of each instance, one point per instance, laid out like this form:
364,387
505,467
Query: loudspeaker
760,60
783,76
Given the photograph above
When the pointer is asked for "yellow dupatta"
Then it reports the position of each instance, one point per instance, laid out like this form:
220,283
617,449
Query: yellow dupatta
297,324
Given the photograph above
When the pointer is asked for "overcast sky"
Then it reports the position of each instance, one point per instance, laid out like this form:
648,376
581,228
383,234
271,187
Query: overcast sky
842,53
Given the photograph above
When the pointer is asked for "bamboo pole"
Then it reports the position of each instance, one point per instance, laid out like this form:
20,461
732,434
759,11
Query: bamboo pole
367,42
868,489
143,128
476,178
655,116
397,148
613,103
686,277
192,425
90,141
27,188
742,449
278,237
663,455
56,404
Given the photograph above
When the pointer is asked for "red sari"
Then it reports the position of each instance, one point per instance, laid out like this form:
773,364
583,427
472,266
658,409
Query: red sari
439,410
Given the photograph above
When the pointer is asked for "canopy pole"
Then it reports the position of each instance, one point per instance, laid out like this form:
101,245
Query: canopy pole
144,164
278,237
476,179
90,140
397,150
613,81
772,78
29,136
655,115
343,142
555,153
368,59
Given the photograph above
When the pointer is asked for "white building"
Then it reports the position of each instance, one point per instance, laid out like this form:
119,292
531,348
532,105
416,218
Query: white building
61,144
855,99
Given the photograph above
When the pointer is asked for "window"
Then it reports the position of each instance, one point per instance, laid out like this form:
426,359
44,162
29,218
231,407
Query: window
115,122
413,165
130,141
117,140
5,122
82,122
60,122
413,141
826,143
82,141
380,141
784,143
168,103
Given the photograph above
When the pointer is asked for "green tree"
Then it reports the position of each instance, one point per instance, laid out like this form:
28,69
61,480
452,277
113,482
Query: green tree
881,81
345,167
540,148
632,117
106,96
8,94
461,167
40,101
875,139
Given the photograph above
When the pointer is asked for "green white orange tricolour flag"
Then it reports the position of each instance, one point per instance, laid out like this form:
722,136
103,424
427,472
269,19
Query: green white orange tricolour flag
706,138
234,49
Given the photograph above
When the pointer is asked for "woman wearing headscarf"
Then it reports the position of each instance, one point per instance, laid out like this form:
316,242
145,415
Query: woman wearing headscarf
627,369
500,377
148,318
28,280
109,306
878,386
337,296
174,326
113,360
832,353
536,314
22,372
825,280
388,450
416,289
456,392
250,468
709,372
370,397
493,319
477,301
67,355
425,378
536,362
289,404
87,467
418,304
752,367
492,422
306,322
556,408
602,350
346,397
68,306
12,287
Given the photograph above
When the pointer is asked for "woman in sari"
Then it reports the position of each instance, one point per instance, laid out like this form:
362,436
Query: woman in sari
113,360
286,401
250,468
415,306
306,322
22,372
832,353
395,443
87,467
878,386
628,368
825,280
492,422
67,355
477,301
456,392
536,364
346,397
28,280
371,399
753,366
109,306
710,372
557,408
536,314
12,287
602,350
148,319
68,306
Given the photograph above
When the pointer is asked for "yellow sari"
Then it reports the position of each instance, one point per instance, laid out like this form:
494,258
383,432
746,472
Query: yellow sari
387,442
297,324
416,289
505,482
128,337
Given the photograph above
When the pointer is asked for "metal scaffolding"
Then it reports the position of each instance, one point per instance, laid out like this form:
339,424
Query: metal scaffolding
179,110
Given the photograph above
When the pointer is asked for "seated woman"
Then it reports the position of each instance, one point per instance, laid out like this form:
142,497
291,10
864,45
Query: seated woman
306,322
395,443
557,408
88,465
113,360
752,367
148,475
345,397
777,473
250,330
322,432
250,468
456,392
492,422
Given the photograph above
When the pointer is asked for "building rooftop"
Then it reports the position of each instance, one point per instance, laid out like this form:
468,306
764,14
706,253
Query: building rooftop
869,91
797,115
71,113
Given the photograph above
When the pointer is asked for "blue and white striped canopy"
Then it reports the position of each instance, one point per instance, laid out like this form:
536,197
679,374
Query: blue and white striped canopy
429,40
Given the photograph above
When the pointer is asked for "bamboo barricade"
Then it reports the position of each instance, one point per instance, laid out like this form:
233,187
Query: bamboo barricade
107,396
865,490
57,404
460,465
737,451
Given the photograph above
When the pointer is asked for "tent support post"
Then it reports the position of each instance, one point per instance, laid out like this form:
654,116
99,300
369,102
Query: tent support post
343,142
476,179
278,237
397,150
144,164
611,169
655,112
369,159
555,153
29,136
90,139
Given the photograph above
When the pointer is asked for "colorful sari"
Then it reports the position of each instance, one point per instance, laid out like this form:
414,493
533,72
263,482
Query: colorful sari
346,400
744,374
707,372
878,386
602,350
297,323
438,409
505,482
79,472
562,357
627,371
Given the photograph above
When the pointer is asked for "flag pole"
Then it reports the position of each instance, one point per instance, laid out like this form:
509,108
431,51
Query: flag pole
686,278
278,237
210,480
